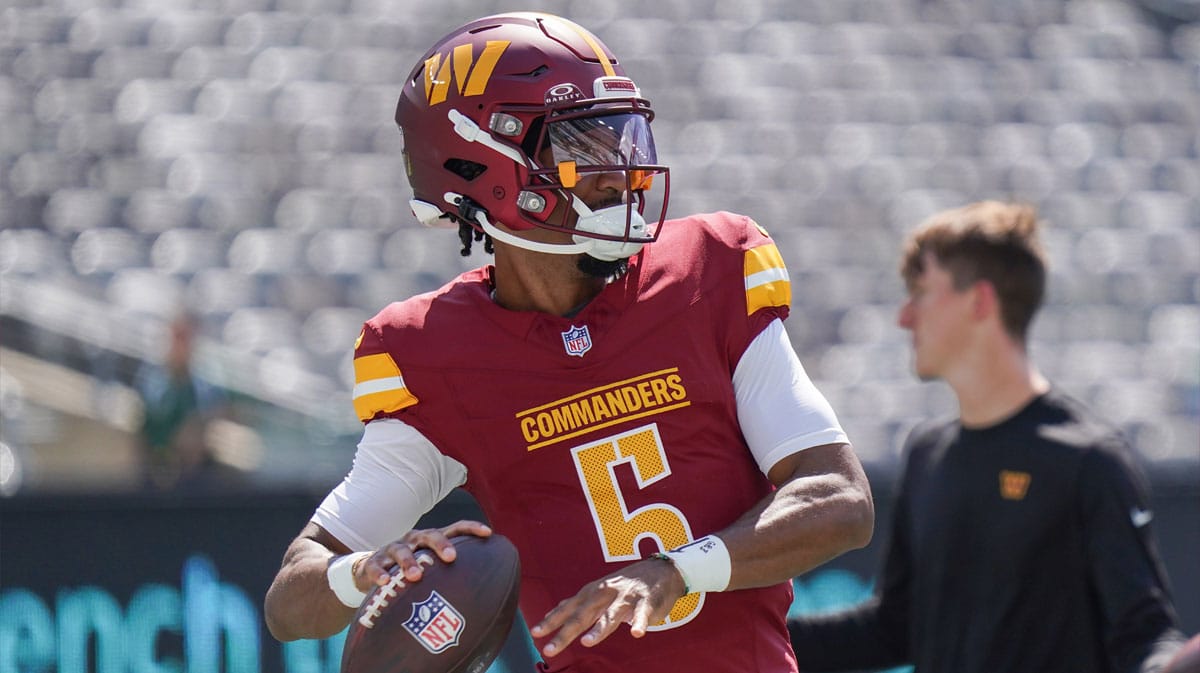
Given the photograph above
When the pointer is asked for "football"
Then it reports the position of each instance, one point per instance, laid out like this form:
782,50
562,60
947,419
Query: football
454,619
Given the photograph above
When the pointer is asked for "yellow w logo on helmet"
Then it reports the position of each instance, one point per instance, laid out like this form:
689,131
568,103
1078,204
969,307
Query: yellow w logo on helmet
461,67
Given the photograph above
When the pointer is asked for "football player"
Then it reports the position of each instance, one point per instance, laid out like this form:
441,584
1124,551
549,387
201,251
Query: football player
617,391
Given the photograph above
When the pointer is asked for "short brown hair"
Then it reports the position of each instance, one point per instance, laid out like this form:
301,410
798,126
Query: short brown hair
992,241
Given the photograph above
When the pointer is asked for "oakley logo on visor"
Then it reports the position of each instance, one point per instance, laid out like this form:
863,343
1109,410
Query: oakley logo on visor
563,93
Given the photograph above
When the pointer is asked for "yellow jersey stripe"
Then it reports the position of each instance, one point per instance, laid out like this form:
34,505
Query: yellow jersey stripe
763,257
379,386
771,294
378,366
367,406
766,277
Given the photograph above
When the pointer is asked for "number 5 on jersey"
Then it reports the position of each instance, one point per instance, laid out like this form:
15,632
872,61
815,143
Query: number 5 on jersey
620,530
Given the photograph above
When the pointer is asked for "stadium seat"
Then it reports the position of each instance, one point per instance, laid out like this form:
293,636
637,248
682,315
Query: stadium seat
260,329
266,251
218,292
281,65
354,64
187,251
104,250
176,30
1174,324
202,64
255,30
29,251
93,134
330,331
101,27
144,100
39,63
344,251
241,158
235,99
147,292
81,210
123,63
37,26
299,102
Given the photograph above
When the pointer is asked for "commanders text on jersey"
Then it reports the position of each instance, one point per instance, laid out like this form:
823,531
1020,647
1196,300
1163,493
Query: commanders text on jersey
638,397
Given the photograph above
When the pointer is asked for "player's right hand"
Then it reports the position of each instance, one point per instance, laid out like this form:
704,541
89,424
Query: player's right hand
376,568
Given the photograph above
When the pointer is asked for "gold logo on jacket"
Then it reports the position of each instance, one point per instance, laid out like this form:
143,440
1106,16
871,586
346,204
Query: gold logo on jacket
1014,485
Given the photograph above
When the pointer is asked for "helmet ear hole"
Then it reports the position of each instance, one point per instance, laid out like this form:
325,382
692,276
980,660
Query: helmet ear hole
465,169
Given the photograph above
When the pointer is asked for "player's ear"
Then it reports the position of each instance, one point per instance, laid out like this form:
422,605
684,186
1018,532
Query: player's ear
986,302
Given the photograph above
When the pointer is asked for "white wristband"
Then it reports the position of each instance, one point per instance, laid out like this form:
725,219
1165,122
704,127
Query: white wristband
341,579
704,564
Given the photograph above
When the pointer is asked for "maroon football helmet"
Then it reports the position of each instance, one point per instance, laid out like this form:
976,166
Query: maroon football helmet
506,114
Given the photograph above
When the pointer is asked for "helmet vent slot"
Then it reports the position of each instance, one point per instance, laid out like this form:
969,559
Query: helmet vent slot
467,170
535,73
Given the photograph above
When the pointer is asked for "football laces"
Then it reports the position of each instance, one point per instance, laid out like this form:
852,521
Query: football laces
387,592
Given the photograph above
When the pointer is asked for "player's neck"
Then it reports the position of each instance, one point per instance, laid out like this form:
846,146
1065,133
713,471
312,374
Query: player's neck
994,383
541,282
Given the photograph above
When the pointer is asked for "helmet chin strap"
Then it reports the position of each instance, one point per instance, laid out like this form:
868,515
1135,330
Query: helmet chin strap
504,237
609,221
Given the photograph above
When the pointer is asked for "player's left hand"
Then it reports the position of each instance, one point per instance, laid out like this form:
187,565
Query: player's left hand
639,594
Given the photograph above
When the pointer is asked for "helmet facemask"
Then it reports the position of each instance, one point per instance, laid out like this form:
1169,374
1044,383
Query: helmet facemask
565,146
602,141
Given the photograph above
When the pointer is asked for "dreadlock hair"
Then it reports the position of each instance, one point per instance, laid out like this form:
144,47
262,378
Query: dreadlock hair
467,233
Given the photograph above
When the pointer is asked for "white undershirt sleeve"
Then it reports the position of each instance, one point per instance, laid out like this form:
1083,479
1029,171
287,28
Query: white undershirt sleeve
398,475
779,408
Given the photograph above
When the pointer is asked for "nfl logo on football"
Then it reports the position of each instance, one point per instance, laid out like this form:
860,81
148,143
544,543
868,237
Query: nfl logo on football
577,340
435,623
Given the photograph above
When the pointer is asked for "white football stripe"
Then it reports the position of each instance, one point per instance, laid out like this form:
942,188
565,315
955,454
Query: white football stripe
378,386
766,276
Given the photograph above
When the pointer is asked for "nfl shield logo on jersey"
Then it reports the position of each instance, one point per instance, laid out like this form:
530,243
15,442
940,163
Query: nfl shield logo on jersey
435,623
577,340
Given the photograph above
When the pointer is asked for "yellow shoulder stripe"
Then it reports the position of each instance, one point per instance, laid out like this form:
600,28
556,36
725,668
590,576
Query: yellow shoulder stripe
379,387
767,282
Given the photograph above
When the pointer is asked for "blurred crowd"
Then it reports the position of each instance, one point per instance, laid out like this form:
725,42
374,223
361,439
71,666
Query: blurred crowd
200,202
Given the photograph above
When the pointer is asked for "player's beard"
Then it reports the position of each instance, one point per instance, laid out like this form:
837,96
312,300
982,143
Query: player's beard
598,268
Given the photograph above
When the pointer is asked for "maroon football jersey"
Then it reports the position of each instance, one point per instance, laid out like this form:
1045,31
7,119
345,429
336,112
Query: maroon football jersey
599,439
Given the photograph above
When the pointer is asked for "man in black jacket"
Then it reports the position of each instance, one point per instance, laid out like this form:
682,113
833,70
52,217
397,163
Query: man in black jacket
1022,536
